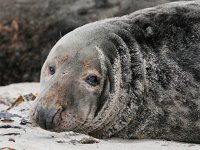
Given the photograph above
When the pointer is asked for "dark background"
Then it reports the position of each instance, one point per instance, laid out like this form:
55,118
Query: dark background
29,28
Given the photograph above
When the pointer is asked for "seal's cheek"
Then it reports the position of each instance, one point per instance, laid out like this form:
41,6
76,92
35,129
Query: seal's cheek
87,107
80,112
74,118
69,120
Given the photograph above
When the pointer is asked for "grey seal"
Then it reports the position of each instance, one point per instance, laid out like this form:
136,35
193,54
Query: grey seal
135,76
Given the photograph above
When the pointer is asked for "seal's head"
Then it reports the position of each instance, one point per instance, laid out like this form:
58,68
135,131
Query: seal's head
74,85
83,88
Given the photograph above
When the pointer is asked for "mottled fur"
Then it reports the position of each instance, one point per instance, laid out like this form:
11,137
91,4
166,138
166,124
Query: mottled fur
154,68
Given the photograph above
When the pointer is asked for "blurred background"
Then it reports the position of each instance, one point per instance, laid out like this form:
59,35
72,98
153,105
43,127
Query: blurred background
29,29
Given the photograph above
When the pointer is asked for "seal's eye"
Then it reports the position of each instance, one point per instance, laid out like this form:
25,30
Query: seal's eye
51,70
92,80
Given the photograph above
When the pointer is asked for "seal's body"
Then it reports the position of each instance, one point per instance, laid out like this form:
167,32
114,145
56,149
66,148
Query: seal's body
136,76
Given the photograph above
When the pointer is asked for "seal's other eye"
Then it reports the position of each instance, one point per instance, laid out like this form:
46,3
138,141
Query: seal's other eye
51,70
92,80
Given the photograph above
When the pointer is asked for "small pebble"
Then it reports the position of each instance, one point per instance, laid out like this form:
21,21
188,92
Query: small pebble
24,121
11,139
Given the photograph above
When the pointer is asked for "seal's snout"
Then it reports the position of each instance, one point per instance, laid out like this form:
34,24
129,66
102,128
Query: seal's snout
45,118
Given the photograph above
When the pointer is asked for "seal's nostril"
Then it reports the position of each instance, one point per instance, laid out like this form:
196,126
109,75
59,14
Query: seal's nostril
41,117
45,118
49,120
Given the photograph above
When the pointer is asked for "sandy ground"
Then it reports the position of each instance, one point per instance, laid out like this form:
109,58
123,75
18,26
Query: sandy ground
17,136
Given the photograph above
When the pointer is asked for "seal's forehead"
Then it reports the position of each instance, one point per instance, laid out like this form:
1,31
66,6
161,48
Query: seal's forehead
83,56
61,50
88,58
